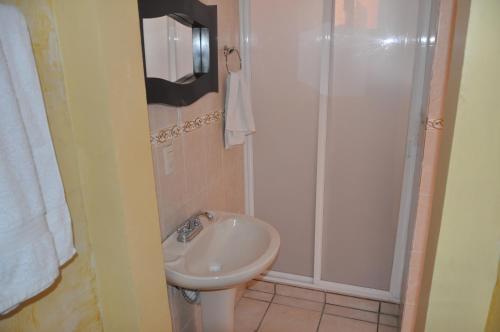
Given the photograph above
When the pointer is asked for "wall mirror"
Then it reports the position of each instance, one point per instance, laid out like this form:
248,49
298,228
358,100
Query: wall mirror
179,48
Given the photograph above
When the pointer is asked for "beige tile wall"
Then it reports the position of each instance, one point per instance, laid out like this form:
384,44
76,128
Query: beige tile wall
205,175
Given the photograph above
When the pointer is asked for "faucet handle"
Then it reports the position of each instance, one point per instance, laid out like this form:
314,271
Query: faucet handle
208,214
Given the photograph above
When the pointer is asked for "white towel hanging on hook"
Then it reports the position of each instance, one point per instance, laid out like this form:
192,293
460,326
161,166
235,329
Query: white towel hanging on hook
35,226
239,120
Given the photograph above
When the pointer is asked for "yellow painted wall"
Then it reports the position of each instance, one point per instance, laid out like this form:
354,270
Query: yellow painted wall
468,250
100,45
71,304
493,324
89,58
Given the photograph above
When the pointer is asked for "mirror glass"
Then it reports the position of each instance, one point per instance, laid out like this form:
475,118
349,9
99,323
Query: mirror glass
169,50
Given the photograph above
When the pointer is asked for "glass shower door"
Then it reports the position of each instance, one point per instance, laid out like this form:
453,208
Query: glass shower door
338,87
370,89
285,44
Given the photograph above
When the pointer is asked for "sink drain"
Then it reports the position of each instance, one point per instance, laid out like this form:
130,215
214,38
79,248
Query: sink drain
215,267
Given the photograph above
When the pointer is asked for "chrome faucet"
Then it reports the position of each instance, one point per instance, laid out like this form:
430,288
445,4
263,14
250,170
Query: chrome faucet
192,227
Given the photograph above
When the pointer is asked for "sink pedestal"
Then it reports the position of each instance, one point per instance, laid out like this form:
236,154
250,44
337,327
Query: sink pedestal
230,250
217,310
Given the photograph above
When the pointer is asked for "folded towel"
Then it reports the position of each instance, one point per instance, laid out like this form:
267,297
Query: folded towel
35,226
239,118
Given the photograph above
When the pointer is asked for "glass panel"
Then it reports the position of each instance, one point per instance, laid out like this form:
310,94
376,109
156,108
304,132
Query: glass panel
285,55
371,82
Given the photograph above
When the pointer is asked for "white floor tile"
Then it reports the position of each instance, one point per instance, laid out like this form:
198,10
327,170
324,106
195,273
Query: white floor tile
352,302
388,320
340,324
256,295
261,286
298,303
351,313
384,328
248,314
389,308
301,293
281,318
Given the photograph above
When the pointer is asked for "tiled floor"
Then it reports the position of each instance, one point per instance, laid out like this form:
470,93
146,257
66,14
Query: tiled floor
268,307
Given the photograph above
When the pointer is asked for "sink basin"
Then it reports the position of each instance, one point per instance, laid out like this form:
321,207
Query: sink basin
230,250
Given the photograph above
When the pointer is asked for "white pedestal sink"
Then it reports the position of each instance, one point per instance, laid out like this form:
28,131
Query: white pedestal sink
230,250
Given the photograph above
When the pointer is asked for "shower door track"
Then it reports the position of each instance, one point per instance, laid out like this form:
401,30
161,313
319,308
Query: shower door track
427,28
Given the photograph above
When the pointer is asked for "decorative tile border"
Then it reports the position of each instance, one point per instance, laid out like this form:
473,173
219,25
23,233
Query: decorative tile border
175,131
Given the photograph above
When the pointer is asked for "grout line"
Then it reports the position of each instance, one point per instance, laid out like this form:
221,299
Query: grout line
383,313
389,325
331,292
315,290
264,315
357,297
254,290
251,298
327,292
299,298
352,318
378,316
378,312
322,314
344,306
291,297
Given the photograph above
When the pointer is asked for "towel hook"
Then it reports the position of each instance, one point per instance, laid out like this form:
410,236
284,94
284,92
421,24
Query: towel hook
227,52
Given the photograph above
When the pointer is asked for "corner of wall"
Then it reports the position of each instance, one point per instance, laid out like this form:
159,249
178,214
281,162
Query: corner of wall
450,110
466,258
100,43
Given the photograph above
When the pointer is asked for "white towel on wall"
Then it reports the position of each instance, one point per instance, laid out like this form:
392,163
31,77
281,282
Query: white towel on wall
35,226
239,120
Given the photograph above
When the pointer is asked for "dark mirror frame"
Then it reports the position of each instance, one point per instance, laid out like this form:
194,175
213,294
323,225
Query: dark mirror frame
199,16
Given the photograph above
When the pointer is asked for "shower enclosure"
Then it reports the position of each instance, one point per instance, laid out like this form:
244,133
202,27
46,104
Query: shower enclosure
339,94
